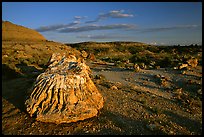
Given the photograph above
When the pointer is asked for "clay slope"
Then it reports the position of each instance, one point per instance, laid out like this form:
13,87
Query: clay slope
25,51
14,32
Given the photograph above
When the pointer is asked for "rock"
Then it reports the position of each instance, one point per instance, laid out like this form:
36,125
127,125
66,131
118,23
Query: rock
163,82
179,91
64,93
114,88
143,66
193,62
183,72
92,57
161,79
150,67
183,66
152,63
157,67
157,76
5,56
84,54
127,79
175,67
136,68
199,91
127,61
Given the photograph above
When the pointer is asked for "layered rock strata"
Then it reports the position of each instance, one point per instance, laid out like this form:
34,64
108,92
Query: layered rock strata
64,93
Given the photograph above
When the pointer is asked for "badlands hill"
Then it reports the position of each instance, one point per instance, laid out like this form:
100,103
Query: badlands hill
25,50
12,31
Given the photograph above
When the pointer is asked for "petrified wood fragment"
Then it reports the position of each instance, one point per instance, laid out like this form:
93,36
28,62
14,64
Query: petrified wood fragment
64,93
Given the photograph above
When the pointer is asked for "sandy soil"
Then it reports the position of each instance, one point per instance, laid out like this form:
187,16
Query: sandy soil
140,105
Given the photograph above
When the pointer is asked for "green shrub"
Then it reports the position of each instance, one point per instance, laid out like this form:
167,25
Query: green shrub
140,59
165,62
154,49
135,49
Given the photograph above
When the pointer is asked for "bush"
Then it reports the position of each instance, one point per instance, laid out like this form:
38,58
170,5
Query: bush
140,59
120,48
165,62
154,49
135,49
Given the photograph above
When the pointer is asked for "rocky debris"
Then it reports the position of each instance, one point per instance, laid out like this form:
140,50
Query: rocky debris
179,94
183,72
193,62
127,61
136,68
64,93
92,57
182,66
152,65
161,79
157,67
179,91
114,88
84,54
142,66
199,91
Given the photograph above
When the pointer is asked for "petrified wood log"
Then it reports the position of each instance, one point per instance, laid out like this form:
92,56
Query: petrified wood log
64,93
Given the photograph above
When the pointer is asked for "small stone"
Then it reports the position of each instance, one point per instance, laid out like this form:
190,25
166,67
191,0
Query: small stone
33,125
157,67
92,57
183,66
199,91
114,88
127,79
5,56
136,68
157,76
143,66
84,54
163,82
171,132
179,91
183,72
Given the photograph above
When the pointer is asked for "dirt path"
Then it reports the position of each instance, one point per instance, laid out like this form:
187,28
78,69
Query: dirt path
145,79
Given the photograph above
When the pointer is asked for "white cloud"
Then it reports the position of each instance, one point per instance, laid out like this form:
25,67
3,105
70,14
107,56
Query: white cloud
96,27
111,14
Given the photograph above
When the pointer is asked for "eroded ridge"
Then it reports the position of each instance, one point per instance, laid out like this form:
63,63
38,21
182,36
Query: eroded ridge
64,93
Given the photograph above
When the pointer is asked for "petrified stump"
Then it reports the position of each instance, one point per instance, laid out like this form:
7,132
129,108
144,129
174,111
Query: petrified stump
64,93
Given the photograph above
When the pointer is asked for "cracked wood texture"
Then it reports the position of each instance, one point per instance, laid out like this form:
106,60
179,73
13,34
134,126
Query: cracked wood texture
64,93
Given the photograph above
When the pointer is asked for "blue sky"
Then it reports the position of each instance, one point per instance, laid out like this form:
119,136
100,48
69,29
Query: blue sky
163,23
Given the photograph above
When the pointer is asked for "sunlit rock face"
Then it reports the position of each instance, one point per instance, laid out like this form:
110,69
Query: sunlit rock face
64,93
13,32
